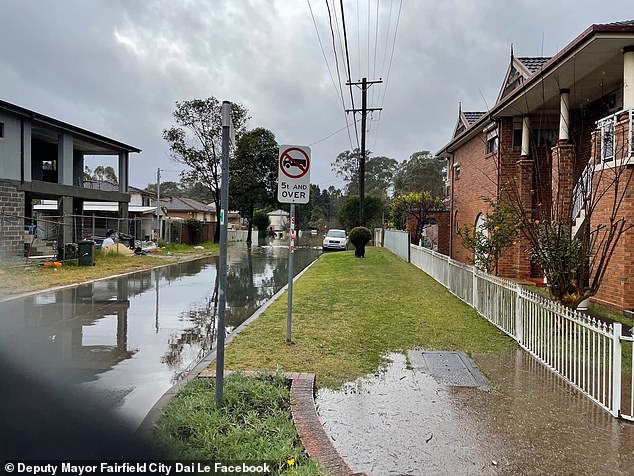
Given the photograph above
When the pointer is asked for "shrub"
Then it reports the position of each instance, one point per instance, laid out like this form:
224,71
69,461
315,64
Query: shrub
359,237
195,230
261,220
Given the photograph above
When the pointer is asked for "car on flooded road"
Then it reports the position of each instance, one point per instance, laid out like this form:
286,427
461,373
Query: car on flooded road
335,240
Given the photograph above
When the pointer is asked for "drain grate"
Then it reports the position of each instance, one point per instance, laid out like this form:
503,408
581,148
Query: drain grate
454,369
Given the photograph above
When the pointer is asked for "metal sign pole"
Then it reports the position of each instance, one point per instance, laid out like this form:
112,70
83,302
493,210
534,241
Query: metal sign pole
291,253
222,261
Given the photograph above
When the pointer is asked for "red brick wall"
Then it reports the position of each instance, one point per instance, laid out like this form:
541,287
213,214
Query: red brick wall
440,231
617,288
478,178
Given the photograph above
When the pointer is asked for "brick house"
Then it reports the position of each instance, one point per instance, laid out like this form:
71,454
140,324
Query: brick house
43,158
557,122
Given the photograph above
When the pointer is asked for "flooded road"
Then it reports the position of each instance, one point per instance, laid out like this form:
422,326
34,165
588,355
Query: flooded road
129,339
403,421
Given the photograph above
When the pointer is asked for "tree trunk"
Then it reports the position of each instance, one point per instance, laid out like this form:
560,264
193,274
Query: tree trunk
249,238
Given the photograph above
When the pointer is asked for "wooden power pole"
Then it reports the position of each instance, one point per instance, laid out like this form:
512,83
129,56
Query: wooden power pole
365,84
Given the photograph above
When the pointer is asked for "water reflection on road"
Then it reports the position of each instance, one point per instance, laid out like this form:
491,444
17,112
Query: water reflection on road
131,338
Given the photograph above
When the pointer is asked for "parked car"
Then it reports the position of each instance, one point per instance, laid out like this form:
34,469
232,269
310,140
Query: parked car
335,240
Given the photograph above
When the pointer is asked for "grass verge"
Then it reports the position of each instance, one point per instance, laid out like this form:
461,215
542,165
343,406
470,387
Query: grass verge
254,424
21,279
349,312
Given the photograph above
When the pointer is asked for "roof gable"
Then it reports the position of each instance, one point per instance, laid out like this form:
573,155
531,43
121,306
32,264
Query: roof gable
519,70
465,120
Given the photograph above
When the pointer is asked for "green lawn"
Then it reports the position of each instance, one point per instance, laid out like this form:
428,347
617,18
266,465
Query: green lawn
349,312
254,425
18,278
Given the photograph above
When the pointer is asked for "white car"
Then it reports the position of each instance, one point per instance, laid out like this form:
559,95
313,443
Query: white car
335,240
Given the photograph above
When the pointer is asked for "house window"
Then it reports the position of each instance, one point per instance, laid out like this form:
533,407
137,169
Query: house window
492,142
545,137
607,140
517,137
1,130
456,171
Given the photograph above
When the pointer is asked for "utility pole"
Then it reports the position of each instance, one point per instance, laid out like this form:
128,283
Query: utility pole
158,204
365,84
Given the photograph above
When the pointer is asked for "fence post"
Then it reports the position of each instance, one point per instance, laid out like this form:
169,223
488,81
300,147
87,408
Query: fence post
617,329
519,325
474,300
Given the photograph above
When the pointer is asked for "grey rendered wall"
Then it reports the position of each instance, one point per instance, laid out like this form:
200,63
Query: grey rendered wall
10,148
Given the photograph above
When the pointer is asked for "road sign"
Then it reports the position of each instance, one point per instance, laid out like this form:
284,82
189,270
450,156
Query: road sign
293,182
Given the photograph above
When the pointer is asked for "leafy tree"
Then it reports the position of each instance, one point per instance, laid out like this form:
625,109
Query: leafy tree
101,173
317,218
373,208
415,207
168,189
196,142
487,242
421,173
253,173
261,220
379,171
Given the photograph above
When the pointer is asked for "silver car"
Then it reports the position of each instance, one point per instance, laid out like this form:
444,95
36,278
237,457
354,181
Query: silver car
335,240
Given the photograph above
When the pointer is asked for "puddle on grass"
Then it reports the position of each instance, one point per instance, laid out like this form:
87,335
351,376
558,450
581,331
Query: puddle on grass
402,421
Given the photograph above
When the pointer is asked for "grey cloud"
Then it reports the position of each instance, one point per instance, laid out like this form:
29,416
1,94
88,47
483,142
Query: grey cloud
117,67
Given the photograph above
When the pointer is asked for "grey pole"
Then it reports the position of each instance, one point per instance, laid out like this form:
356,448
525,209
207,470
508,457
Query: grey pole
158,203
291,253
222,262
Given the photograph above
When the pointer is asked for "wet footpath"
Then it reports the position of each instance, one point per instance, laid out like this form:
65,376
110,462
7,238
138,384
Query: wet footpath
404,421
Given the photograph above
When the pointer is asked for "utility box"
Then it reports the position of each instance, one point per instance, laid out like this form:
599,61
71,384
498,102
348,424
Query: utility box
86,253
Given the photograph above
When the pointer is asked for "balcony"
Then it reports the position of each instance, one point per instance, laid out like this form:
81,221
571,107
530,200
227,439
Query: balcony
614,135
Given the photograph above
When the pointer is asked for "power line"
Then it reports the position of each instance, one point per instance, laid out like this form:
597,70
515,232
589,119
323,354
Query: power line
334,48
332,134
358,40
376,38
345,38
322,48
389,69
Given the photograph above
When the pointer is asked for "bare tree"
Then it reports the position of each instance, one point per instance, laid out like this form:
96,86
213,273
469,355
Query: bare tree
573,238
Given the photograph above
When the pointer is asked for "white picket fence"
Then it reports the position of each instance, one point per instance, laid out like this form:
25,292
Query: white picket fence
585,352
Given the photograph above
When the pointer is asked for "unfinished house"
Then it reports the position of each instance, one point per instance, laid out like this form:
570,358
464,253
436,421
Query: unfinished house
42,158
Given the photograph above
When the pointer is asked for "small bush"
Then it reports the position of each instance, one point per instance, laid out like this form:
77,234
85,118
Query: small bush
195,230
359,237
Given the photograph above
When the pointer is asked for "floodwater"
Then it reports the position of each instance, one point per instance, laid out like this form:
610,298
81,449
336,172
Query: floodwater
403,421
129,339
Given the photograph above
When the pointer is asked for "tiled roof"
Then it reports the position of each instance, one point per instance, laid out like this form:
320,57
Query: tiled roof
621,23
534,64
184,204
107,186
473,116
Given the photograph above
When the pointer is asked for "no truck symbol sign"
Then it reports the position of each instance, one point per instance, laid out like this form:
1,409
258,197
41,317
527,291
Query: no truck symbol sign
293,183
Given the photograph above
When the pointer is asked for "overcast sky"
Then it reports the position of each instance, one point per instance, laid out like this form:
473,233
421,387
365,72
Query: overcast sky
117,67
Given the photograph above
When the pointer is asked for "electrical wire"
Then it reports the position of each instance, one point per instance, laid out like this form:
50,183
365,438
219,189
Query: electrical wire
332,134
323,52
345,38
334,48
389,69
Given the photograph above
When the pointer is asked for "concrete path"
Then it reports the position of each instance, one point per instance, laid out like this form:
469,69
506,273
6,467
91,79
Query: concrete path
403,421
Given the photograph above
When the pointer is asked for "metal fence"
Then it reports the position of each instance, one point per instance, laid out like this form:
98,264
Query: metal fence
593,356
397,242
84,226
